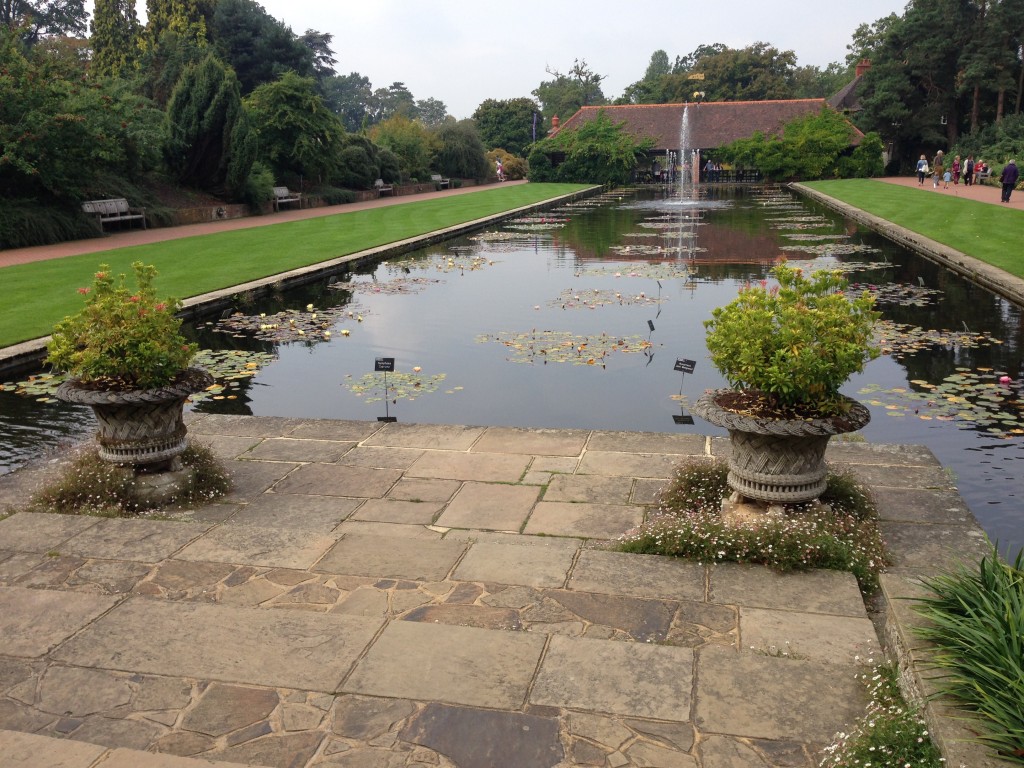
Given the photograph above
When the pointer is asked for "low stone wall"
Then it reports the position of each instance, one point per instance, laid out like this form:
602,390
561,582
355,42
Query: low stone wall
204,214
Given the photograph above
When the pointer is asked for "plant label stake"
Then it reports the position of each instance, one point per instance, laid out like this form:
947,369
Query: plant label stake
385,364
684,367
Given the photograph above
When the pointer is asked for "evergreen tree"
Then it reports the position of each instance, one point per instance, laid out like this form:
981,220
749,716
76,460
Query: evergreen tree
183,17
210,143
115,38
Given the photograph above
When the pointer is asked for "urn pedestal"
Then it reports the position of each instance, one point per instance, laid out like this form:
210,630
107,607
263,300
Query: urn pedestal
143,429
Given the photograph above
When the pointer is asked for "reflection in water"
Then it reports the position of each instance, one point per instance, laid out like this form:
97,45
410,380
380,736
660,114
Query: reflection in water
686,257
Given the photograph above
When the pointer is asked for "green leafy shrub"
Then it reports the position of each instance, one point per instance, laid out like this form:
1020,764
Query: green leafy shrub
794,343
976,625
123,338
259,186
840,534
598,152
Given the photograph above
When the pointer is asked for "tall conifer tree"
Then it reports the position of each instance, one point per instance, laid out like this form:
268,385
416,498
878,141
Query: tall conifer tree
115,37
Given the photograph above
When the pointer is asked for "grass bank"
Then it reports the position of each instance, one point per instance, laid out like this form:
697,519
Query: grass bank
33,297
986,232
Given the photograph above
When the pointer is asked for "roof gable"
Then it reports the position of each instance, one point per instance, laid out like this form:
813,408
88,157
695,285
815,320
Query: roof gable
712,124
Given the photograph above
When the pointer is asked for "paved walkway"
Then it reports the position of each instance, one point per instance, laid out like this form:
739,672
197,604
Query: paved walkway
404,595
983,193
131,237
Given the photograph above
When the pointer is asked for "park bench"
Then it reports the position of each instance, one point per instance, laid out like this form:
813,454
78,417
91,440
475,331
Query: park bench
285,195
114,209
383,188
441,183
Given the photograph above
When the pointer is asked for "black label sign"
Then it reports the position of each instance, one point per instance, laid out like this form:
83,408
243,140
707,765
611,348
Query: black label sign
685,366
384,364
683,419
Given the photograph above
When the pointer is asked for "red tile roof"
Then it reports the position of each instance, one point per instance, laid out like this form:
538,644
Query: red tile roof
712,124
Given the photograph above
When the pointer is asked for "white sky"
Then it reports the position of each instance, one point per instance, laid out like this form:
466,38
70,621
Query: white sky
465,51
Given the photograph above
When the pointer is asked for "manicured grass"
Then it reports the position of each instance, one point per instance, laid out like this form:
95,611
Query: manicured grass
988,232
33,297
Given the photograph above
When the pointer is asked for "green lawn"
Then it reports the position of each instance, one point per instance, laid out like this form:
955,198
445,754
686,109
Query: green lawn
33,297
988,232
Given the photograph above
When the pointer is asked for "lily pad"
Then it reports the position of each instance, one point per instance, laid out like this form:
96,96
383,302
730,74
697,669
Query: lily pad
564,347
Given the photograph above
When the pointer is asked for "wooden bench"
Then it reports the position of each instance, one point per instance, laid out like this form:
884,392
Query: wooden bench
285,195
114,209
441,183
383,188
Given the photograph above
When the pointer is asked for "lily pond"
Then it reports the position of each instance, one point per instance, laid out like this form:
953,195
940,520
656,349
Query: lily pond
583,317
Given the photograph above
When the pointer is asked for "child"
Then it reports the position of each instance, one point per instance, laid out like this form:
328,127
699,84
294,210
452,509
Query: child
945,179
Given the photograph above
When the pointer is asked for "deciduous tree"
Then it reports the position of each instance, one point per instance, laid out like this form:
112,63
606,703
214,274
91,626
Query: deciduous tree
565,94
298,135
42,18
510,124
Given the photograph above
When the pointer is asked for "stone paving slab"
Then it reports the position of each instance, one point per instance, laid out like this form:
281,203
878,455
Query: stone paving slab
816,591
456,665
766,697
243,426
320,514
254,545
620,464
584,520
33,621
29,750
621,573
933,548
813,636
292,449
647,442
146,541
512,564
382,458
484,467
533,442
922,506
446,437
490,506
399,511
592,488
251,478
287,649
41,532
632,679
398,558
339,480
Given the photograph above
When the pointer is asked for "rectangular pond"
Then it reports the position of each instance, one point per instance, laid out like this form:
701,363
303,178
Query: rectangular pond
579,317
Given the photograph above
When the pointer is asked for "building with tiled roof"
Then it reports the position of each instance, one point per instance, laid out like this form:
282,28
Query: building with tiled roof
711,124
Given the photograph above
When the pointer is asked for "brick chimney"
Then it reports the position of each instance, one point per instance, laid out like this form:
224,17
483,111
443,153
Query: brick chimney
554,123
863,66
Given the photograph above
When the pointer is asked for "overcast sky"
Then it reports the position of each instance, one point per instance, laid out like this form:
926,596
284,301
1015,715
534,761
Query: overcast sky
465,51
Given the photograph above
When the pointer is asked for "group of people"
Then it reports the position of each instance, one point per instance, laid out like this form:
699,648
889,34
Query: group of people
712,171
968,170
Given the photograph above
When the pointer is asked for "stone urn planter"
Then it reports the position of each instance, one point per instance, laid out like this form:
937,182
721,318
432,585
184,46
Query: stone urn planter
778,461
143,429
140,427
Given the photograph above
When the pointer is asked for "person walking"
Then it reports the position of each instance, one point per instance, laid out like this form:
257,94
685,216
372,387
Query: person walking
937,169
969,171
956,170
1009,180
922,171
